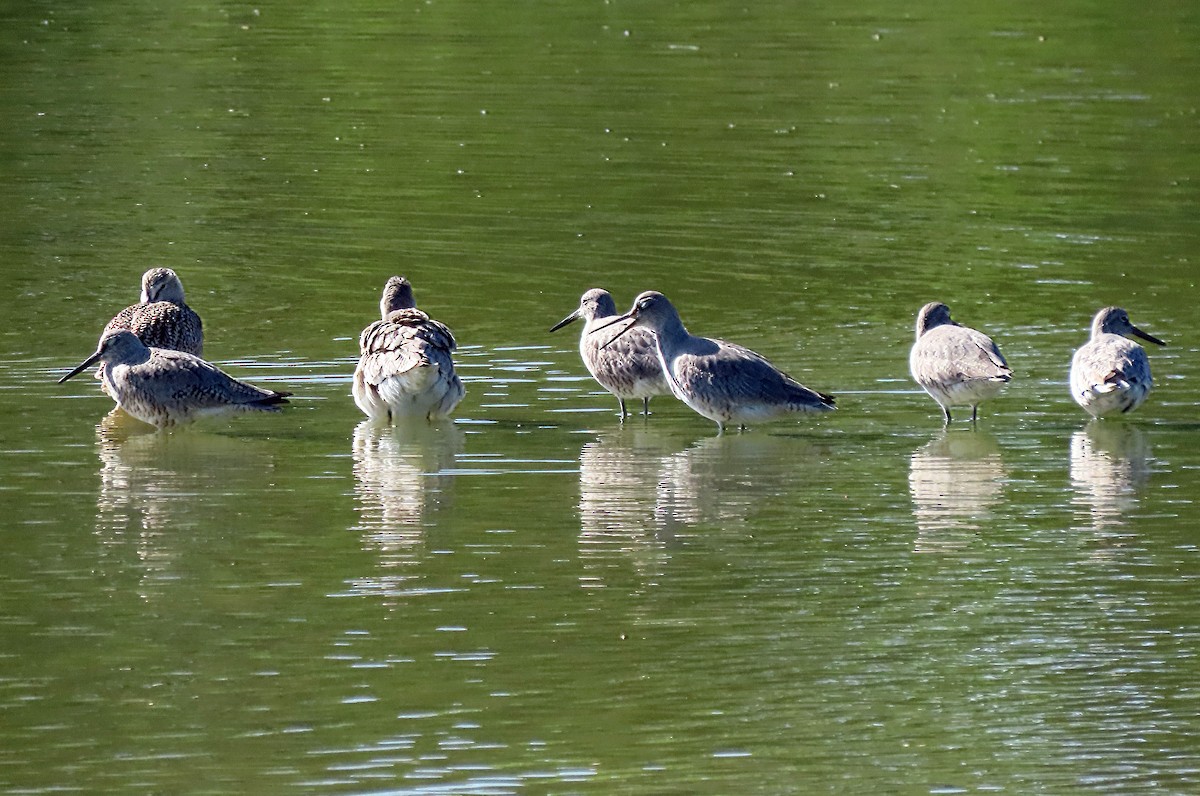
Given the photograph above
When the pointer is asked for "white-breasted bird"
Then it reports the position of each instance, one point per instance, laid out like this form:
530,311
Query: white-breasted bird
955,364
1111,373
405,368
629,368
725,382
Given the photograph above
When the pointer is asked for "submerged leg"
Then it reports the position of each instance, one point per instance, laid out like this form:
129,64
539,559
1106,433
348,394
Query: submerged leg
646,406
974,413
946,412
624,412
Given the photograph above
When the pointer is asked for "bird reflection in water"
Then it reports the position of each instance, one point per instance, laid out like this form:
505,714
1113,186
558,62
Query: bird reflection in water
722,480
1110,464
154,489
956,481
618,484
639,496
401,476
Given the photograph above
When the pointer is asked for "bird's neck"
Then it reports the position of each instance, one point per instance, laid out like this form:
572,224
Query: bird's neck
672,337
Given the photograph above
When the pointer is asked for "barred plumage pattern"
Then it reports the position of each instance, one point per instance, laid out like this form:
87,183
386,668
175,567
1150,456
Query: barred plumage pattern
405,367
162,319
164,388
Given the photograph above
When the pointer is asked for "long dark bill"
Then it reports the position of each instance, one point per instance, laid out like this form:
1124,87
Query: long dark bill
82,366
1147,337
629,316
574,316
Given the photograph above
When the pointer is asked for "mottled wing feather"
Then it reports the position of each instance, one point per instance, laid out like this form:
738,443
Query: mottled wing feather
423,327
629,364
1114,362
407,339
1132,365
162,324
123,319
199,384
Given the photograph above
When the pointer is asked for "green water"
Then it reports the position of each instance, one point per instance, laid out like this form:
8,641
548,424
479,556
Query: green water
536,597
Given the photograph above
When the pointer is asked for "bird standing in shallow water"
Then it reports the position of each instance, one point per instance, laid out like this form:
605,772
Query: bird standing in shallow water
629,368
955,364
163,387
1110,372
405,368
721,381
160,319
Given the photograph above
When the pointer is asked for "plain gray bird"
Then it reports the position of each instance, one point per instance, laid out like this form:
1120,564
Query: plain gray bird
955,364
1110,372
722,381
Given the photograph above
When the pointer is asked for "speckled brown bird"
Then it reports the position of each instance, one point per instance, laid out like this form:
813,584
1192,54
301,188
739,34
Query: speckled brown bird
160,319
405,367
164,387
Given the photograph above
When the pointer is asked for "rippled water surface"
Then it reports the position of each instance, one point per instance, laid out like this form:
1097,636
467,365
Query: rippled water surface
538,597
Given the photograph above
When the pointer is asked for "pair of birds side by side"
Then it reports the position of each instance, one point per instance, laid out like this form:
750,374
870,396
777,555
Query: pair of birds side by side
150,362
959,366
653,353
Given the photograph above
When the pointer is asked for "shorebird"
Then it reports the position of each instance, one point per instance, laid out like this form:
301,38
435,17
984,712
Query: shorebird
164,387
721,381
1111,372
160,319
629,367
955,364
405,368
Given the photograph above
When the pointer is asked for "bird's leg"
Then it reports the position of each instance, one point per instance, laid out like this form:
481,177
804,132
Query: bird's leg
974,413
624,412
946,412
646,406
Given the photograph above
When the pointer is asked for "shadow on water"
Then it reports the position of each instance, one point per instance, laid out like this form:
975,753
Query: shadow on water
957,482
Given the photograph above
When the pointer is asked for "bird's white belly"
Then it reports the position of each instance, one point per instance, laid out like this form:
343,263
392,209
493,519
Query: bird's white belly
963,393
419,392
